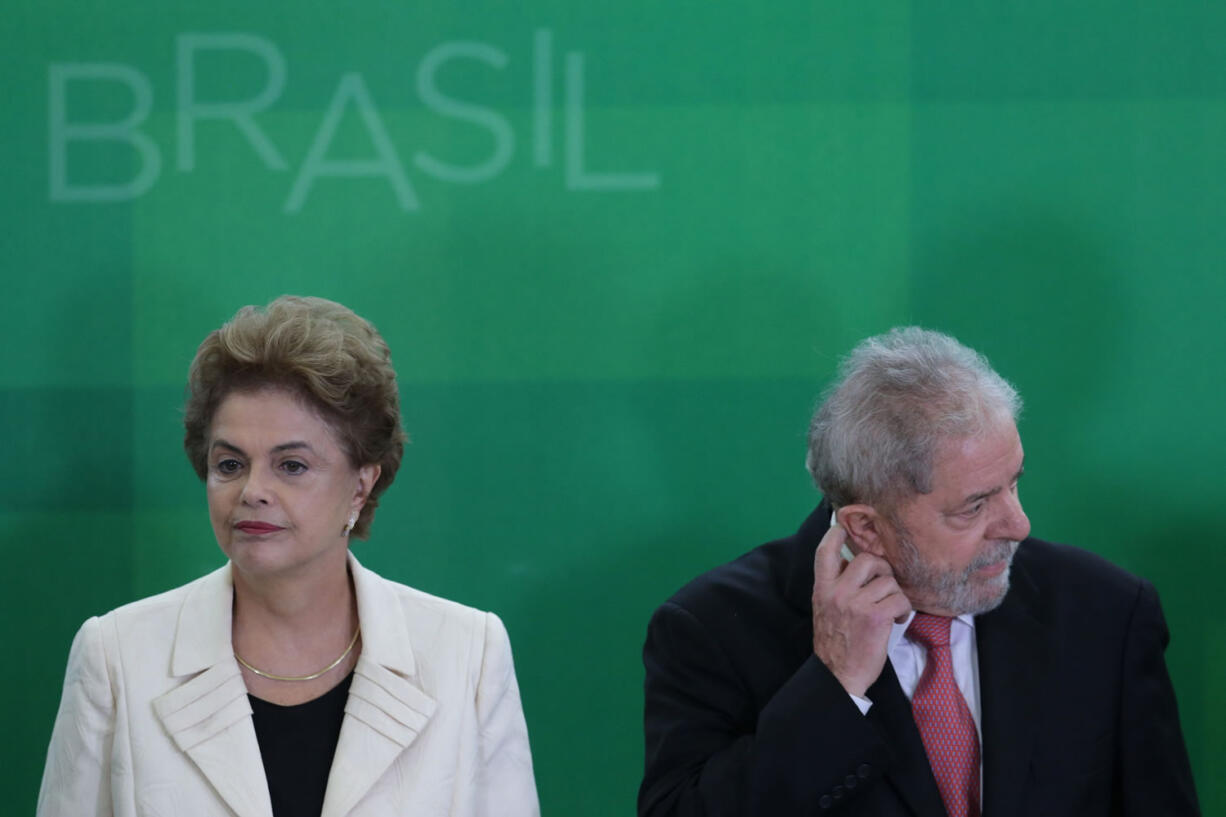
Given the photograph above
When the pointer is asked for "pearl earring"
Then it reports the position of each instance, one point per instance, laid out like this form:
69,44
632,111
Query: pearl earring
353,520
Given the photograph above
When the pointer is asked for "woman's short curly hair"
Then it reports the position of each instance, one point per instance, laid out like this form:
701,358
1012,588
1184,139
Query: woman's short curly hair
333,360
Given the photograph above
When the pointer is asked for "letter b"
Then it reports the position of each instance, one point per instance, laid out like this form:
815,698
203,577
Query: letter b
62,132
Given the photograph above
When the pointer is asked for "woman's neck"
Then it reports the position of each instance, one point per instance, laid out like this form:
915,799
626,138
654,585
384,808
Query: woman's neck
319,592
295,625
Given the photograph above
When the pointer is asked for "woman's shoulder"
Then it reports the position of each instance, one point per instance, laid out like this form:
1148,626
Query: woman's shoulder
163,608
137,635
435,627
418,602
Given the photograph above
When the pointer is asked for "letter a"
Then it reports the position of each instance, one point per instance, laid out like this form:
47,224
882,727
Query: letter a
316,164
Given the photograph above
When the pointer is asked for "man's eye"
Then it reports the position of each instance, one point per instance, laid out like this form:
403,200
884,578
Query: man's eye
973,510
293,467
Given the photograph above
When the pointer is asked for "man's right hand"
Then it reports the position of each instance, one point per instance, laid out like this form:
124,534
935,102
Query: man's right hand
854,605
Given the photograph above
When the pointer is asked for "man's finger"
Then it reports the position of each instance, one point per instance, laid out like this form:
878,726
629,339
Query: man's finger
879,588
865,567
897,605
827,561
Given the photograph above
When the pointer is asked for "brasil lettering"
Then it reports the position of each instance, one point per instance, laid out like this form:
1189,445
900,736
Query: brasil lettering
350,96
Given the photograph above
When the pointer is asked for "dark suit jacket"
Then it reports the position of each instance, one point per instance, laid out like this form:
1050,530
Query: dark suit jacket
1078,714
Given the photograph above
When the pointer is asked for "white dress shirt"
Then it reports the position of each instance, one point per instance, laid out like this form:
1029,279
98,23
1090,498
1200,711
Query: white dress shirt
909,659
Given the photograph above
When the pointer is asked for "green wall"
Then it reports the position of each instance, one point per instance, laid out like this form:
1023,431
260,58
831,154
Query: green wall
616,250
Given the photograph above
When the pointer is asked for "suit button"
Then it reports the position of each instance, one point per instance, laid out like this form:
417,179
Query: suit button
837,791
864,771
826,802
850,781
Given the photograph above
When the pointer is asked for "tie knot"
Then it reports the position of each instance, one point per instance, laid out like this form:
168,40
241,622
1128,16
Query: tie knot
929,630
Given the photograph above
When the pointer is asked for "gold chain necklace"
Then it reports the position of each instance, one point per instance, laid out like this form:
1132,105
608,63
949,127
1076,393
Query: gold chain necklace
310,677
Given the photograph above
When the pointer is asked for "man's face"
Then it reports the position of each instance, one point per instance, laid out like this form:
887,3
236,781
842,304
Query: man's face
951,548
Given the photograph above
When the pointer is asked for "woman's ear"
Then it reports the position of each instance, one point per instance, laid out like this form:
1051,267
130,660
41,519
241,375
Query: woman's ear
863,524
368,475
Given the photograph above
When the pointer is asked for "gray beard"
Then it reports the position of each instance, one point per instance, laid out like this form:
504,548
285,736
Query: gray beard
955,590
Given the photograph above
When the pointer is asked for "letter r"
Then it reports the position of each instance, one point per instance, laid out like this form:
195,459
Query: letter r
241,111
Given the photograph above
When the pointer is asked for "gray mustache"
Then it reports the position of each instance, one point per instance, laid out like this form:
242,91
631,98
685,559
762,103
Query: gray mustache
998,551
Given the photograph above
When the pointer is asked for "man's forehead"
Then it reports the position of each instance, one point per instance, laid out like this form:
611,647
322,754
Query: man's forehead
979,462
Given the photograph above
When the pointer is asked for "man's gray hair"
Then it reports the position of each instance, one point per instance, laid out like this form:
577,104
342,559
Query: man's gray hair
875,435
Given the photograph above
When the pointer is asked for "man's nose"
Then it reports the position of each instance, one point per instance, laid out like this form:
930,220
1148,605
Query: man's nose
1013,523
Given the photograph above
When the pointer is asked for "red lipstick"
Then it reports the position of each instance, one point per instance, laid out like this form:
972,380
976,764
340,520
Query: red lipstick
257,528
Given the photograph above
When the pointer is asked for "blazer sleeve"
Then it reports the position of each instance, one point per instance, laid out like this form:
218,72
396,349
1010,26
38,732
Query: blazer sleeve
711,751
1155,775
507,787
76,778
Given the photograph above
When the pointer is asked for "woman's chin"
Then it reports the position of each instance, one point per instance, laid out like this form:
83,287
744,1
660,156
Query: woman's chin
281,558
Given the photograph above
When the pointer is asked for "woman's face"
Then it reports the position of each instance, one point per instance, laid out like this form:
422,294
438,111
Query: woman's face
280,488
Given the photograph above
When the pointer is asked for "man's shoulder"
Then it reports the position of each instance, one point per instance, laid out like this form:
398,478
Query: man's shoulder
748,619
757,573
1068,565
1075,580
774,580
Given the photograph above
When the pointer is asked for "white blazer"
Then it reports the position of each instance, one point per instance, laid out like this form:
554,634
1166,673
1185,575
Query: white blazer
155,719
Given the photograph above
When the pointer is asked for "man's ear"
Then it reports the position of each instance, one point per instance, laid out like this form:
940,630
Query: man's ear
864,525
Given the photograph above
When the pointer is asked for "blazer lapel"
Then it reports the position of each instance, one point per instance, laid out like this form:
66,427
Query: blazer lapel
209,717
386,710
1012,662
909,771
383,716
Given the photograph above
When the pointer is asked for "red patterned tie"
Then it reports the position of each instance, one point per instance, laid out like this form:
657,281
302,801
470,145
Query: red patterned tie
944,721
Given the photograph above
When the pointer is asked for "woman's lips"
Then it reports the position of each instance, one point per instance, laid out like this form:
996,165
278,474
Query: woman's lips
258,527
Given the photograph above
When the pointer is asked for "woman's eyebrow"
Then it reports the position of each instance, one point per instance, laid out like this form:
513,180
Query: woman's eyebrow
220,443
293,444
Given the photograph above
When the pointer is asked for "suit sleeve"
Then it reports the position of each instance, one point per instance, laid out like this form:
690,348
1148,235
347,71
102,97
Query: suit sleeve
713,750
76,778
508,787
1155,775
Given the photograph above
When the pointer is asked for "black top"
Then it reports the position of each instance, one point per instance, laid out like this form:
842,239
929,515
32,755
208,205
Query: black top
297,744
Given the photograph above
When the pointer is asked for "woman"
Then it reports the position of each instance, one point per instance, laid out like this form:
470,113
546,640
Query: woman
292,681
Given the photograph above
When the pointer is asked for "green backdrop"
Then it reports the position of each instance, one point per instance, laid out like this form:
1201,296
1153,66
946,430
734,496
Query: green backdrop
616,250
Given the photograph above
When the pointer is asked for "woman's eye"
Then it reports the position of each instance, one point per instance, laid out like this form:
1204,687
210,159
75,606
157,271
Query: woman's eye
228,466
293,467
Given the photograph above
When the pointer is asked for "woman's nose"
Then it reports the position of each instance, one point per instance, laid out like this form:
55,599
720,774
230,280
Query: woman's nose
257,489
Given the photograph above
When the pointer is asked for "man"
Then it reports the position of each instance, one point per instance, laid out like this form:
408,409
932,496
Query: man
921,655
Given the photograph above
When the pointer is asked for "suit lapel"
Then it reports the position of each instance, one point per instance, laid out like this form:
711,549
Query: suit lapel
1012,662
209,717
386,710
909,771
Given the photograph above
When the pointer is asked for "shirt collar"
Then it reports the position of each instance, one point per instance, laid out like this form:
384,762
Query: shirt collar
899,631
